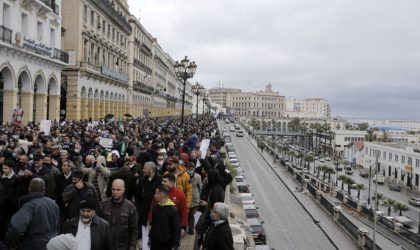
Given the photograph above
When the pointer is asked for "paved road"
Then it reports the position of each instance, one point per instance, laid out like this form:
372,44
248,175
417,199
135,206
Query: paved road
401,197
287,224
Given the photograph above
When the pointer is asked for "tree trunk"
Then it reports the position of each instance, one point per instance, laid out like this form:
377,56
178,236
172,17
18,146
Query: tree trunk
389,211
400,212
358,194
349,188
342,185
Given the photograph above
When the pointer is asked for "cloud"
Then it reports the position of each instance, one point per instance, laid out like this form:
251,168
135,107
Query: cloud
363,56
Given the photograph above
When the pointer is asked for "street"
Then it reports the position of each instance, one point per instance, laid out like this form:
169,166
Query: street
287,224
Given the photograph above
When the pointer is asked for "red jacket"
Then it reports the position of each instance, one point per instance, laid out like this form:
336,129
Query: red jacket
178,197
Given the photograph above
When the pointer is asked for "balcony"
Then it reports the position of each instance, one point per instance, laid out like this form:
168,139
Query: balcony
106,6
5,34
114,74
142,87
142,66
61,55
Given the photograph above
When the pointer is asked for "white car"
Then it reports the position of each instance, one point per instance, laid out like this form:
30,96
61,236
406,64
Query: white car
321,160
239,178
233,156
328,159
233,161
246,198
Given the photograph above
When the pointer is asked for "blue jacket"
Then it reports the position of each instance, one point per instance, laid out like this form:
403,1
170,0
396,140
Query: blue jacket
34,224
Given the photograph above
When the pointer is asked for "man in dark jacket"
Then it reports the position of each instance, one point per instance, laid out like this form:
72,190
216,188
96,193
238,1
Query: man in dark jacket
36,222
91,231
77,191
219,234
165,230
145,190
121,215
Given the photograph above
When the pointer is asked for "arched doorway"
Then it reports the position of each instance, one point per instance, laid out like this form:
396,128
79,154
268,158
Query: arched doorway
83,103
53,99
7,83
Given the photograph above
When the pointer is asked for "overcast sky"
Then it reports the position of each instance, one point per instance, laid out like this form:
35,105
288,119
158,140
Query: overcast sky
362,55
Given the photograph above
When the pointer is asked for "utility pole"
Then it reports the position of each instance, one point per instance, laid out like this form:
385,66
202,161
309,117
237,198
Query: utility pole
376,201
370,173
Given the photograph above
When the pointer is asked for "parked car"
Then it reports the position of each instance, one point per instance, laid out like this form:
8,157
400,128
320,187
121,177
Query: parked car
328,159
257,230
404,221
242,187
232,129
251,211
247,198
227,121
237,127
239,178
239,133
394,187
233,161
364,173
321,160
381,179
232,155
414,201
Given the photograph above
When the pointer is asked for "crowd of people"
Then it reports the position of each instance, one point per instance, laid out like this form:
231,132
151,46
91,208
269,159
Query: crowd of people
133,184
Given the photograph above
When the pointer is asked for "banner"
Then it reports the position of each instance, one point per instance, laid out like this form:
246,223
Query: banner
17,117
45,126
106,142
203,147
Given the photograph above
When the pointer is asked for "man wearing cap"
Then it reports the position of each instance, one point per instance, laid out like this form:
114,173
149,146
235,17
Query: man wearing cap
91,231
121,215
76,192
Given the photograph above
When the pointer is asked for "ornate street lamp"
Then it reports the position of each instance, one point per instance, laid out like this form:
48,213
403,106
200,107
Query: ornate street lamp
20,92
184,71
196,89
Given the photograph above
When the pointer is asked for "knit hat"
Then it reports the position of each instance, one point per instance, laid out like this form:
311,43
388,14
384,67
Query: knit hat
62,242
88,203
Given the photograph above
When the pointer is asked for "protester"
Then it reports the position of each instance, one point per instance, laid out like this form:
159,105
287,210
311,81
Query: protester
165,230
36,222
196,185
91,231
219,234
121,215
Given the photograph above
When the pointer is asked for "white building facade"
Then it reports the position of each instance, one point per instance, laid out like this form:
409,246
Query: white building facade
398,163
31,59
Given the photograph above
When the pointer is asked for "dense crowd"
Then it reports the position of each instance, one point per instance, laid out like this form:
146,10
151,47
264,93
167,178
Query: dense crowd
133,184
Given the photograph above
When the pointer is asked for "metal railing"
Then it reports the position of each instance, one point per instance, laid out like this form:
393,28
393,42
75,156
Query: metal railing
106,6
142,87
369,244
410,235
5,34
61,55
352,203
348,225
327,205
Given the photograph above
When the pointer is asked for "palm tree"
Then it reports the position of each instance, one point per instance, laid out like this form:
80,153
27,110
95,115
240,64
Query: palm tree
349,181
400,207
329,170
388,203
307,159
319,168
380,197
359,187
342,178
300,157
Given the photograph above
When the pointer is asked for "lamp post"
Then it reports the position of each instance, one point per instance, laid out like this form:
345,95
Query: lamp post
184,71
196,89
20,93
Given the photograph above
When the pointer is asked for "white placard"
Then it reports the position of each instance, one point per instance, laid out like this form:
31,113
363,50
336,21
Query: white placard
203,147
45,126
72,57
105,142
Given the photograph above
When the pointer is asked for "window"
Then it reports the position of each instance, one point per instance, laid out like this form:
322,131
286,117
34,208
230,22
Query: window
409,161
403,159
417,163
390,156
39,31
92,17
24,24
85,11
396,158
103,27
52,38
6,16
384,155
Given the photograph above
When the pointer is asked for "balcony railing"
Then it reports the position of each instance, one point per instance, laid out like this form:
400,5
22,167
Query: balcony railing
5,34
106,6
142,87
142,66
61,55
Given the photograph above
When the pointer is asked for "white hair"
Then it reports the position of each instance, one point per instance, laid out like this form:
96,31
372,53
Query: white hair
222,209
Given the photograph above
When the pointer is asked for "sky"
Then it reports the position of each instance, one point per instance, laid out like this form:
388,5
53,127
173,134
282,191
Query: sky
363,56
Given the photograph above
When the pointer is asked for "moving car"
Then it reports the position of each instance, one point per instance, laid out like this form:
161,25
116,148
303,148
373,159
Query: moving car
414,201
257,231
232,129
381,179
239,133
251,211
321,160
328,159
394,187
237,127
364,173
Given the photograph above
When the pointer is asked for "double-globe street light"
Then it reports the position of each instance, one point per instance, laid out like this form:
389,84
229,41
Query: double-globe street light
184,71
197,89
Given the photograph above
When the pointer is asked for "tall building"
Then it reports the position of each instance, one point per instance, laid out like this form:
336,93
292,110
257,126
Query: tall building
97,33
264,104
314,108
31,59
219,95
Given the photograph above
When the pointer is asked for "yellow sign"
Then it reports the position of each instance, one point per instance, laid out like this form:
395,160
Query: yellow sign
408,168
